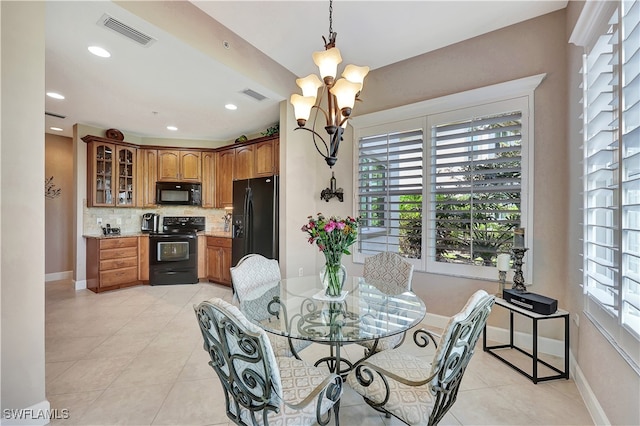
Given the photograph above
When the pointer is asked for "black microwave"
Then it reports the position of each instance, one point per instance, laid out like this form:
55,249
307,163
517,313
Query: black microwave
179,193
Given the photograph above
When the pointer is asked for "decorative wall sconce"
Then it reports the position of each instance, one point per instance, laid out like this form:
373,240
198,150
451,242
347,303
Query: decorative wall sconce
329,193
50,190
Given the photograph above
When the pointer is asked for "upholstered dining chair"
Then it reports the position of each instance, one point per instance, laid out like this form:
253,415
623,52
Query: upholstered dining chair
391,274
261,388
398,384
252,276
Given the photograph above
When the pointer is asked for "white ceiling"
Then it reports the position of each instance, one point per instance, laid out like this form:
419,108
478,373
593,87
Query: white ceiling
141,90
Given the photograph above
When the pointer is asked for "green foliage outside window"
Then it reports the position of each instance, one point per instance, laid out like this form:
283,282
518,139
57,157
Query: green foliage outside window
470,229
411,226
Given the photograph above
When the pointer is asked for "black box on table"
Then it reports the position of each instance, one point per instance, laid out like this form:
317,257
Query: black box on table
531,301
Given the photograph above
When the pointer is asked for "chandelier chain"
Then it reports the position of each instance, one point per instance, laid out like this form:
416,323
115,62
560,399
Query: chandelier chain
330,18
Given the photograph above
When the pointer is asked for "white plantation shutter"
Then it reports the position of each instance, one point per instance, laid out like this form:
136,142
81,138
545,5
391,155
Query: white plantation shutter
601,252
476,187
630,170
611,86
473,148
390,186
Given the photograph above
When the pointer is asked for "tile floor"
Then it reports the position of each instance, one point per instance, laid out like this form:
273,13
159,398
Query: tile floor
134,356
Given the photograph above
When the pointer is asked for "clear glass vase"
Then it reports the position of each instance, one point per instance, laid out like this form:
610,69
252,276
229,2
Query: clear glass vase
333,275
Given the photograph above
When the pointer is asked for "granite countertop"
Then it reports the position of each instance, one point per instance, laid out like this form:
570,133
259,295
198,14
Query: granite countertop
219,234
123,235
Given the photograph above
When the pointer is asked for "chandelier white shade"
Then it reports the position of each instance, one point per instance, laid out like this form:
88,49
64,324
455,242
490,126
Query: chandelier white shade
309,85
341,96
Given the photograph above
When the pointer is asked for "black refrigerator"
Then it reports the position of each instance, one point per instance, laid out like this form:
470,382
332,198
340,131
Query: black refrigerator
255,218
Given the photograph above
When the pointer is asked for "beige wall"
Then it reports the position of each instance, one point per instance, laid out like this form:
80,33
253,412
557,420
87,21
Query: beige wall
22,206
615,385
529,48
59,211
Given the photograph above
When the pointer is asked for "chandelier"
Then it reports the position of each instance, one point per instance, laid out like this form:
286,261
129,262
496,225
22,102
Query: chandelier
341,95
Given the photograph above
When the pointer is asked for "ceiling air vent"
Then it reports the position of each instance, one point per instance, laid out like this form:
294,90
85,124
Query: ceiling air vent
121,28
255,95
53,114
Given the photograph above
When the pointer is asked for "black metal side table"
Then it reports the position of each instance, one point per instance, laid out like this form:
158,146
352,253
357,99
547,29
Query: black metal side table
559,314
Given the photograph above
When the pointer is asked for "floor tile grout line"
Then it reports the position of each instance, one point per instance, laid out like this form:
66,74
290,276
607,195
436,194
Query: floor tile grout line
483,387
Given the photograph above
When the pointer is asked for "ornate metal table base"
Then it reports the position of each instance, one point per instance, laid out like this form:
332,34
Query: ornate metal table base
334,361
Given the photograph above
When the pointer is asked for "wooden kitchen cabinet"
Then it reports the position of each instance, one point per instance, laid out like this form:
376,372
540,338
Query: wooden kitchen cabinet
224,177
112,263
264,163
100,170
208,179
179,166
276,156
256,160
202,256
219,260
147,177
143,258
111,173
125,180
244,163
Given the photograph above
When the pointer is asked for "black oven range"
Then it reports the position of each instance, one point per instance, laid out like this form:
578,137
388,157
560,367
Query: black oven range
173,251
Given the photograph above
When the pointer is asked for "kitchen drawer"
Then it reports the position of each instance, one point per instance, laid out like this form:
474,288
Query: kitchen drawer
219,242
120,253
112,243
128,262
118,276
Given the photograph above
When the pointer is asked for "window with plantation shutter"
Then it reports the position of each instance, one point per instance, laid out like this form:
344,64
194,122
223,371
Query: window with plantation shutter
476,182
611,179
390,188
445,184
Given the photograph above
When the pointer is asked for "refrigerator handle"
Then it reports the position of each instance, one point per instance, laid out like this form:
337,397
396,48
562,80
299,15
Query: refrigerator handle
248,221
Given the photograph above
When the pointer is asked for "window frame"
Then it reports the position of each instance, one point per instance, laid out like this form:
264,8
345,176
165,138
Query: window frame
520,91
592,25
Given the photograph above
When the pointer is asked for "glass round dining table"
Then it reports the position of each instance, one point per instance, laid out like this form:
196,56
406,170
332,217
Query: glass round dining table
297,308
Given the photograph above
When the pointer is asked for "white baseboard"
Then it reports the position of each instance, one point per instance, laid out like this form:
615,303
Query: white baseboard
547,346
598,415
57,276
523,340
35,415
80,284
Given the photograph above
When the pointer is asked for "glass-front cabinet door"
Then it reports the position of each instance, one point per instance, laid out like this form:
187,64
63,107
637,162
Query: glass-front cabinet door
111,175
101,179
126,176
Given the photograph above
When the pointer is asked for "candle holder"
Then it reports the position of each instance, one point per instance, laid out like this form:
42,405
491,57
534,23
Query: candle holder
502,280
518,278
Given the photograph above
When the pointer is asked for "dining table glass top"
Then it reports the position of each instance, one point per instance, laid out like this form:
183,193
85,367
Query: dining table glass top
297,308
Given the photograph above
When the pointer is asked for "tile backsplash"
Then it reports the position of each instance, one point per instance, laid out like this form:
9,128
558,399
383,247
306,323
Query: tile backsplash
130,219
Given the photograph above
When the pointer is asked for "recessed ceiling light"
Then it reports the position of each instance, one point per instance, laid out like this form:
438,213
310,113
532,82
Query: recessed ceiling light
57,129
99,51
231,107
55,95
172,128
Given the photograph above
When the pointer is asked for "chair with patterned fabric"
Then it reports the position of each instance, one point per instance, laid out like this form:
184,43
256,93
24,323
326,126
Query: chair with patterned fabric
398,384
391,274
252,273
252,276
261,388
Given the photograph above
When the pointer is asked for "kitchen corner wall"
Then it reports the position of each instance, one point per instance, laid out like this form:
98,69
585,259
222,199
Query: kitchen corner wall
58,230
